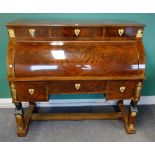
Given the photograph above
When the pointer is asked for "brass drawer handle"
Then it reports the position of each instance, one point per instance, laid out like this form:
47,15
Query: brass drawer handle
31,91
120,32
77,86
32,32
77,32
122,89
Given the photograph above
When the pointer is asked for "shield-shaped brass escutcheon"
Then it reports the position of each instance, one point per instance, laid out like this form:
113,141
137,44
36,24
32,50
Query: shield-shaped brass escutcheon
77,31
32,32
121,31
122,89
77,86
31,91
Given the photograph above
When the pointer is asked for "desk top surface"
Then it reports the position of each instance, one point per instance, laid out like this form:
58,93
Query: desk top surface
73,23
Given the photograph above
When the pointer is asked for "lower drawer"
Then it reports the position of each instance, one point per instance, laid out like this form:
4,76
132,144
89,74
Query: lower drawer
81,86
121,89
30,91
38,91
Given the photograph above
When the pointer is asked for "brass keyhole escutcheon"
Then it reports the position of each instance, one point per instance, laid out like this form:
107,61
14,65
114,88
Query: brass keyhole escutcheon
31,91
122,89
77,32
120,32
32,32
77,86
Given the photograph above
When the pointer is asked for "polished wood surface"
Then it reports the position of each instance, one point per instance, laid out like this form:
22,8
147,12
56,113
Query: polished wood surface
76,116
76,59
50,57
113,90
85,86
19,23
39,93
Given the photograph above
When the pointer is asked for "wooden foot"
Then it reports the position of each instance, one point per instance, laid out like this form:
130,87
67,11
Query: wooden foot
131,117
21,120
128,118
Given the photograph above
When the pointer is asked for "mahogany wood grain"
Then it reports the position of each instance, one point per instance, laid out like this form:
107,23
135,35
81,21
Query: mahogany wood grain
23,93
103,57
114,23
69,86
77,116
114,92
28,116
45,78
76,59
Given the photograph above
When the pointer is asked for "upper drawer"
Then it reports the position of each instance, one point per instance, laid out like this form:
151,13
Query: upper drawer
74,32
31,32
58,32
120,32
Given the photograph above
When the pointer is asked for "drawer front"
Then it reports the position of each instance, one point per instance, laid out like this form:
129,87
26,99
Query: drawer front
73,32
121,89
76,86
58,33
120,32
31,32
30,91
76,32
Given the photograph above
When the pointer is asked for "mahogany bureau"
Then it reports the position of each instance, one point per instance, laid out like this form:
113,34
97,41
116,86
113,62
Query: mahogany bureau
47,57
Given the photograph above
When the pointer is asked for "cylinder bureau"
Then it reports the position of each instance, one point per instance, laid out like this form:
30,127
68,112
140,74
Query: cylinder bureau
72,57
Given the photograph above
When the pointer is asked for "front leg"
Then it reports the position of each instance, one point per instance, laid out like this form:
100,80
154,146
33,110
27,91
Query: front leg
19,115
131,117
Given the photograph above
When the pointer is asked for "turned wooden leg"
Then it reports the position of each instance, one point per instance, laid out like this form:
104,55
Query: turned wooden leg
19,115
121,108
119,105
36,109
131,117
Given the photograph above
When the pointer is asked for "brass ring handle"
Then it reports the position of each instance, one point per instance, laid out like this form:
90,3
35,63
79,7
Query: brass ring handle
122,89
31,91
120,32
32,32
77,32
77,86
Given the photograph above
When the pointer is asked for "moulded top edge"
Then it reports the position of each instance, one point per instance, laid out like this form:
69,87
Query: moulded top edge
73,23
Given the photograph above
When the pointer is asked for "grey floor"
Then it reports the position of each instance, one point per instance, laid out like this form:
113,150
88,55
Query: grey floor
80,131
